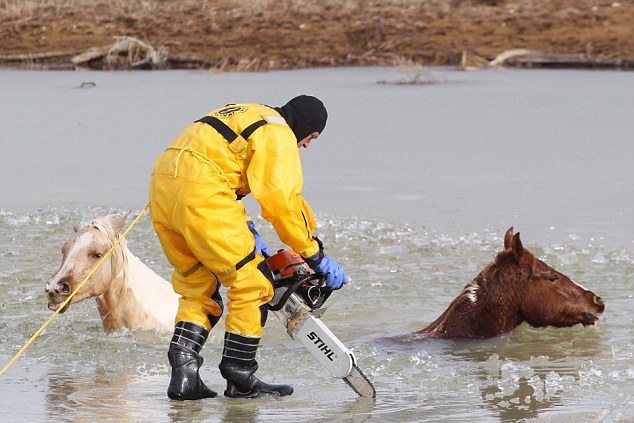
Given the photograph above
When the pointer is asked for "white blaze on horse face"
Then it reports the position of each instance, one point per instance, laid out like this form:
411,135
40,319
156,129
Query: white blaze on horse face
82,242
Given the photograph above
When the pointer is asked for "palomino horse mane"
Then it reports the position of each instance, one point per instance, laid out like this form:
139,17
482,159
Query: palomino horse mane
119,257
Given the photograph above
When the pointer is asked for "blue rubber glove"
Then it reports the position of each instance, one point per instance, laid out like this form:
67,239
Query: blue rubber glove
260,246
335,275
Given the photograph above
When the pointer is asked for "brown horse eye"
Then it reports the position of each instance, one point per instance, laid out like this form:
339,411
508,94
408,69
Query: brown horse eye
553,278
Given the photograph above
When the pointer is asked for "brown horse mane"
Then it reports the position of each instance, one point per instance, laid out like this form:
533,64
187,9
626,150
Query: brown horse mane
482,286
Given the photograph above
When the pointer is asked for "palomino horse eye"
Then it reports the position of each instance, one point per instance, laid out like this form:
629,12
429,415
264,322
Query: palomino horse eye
97,255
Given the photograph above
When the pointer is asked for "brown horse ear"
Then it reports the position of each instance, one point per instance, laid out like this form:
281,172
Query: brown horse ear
508,236
517,247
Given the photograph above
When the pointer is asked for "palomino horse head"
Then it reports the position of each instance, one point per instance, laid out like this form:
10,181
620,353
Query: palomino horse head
80,254
516,287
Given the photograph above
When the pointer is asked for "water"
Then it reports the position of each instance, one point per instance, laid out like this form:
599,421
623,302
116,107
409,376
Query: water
413,186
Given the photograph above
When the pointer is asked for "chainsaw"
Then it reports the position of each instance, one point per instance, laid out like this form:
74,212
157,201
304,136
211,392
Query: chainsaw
299,296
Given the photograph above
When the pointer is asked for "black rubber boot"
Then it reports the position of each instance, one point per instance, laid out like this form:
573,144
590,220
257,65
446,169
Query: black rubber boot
238,366
184,357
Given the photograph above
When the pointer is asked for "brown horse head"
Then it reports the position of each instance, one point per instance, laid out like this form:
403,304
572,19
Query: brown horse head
80,254
516,287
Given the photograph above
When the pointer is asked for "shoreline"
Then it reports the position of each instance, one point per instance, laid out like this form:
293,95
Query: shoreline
266,35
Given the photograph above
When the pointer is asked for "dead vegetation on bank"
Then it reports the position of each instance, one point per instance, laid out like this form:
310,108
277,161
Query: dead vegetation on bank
257,35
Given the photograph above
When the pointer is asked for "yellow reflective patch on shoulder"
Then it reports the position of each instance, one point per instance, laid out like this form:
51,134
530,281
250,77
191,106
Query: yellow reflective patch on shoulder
229,110
276,120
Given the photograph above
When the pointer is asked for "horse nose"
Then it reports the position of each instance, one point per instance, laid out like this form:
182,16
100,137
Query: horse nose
59,287
598,301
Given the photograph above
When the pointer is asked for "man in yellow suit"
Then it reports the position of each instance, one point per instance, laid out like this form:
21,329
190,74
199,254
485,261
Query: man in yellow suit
203,228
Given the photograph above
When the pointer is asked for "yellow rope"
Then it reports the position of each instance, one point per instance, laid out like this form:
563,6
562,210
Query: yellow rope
70,297
201,157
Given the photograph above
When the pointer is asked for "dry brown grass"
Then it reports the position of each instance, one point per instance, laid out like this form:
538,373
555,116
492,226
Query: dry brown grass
262,34
13,9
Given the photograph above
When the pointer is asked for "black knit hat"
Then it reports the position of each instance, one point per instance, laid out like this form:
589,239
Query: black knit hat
305,114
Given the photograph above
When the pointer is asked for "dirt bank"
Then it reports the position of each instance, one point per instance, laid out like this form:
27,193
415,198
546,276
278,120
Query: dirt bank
267,34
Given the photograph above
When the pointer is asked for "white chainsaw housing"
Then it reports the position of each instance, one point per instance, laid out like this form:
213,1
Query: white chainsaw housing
302,325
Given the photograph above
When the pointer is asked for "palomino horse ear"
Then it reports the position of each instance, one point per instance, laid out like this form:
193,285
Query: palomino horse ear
117,222
508,237
517,247
76,226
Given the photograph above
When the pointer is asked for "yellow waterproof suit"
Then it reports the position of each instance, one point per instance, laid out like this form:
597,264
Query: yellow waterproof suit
203,229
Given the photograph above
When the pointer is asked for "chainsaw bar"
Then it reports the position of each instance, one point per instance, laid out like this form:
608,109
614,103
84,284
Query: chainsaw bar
360,383
303,326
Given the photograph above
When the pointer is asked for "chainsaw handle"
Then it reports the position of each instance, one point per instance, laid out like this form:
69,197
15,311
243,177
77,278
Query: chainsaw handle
293,287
